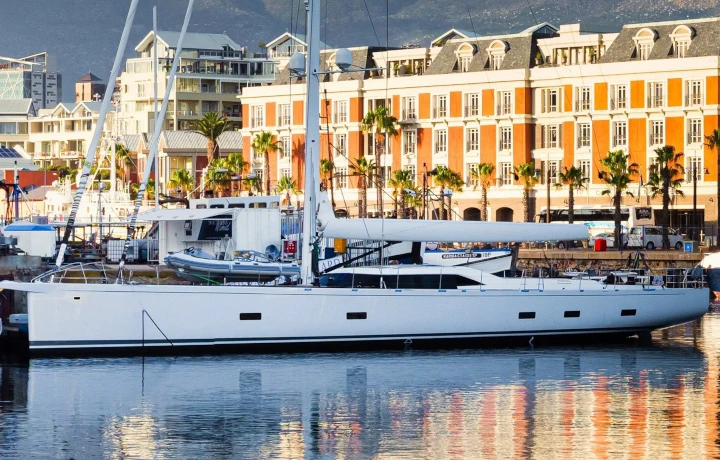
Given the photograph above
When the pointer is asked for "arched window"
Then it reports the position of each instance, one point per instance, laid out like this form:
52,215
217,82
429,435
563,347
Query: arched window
465,53
644,42
681,38
496,53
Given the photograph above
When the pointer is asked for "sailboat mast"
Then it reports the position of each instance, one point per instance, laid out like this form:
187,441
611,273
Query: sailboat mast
312,138
104,108
155,92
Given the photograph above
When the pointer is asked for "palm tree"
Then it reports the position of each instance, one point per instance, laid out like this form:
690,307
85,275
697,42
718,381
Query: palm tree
288,186
236,166
381,124
217,176
181,179
413,201
574,178
446,178
211,126
617,178
666,173
326,172
400,181
713,143
149,190
363,168
526,174
123,161
264,142
485,176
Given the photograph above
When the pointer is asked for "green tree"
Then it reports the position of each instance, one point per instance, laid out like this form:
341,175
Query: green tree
713,143
149,190
665,174
217,176
485,177
413,201
288,186
527,175
265,142
253,183
575,180
123,160
400,181
327,167
617,177
447,179
181,179
363,168
211,126
381,124
236,166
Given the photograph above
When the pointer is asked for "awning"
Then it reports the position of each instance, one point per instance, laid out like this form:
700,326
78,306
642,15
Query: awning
182,214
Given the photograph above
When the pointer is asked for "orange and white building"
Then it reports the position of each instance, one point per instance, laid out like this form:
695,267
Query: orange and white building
555,96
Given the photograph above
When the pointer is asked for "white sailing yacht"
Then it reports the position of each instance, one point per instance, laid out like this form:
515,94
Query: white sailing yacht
384,304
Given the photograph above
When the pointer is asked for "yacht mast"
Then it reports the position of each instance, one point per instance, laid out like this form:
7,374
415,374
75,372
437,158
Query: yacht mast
312,139
104,108
156,62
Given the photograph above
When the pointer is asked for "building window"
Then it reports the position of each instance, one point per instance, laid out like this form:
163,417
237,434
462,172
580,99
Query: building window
619,97
550,100
505,174
341,144
286,172
644,50
620,133
550,137
553,167
657,132
681,37
341,177
504,103
583,132
473,139
258,116
695,134
464,63
440,106
472,105
505,138
284,115
286,147
413,174
471,171
693,93
441,141
681,48
409,108
141,91
259,175
585,167
582,99
496,52
655,95
410,140
644,42
341,112
694,168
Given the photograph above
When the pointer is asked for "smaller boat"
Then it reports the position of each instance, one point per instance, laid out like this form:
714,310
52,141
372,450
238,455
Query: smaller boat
711,263
198,266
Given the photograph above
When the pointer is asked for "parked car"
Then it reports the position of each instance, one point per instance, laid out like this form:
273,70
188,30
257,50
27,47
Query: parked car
607,236
649,237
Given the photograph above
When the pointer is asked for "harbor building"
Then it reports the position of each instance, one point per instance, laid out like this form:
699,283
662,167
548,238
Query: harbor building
31,77
89,87
554,96
213,71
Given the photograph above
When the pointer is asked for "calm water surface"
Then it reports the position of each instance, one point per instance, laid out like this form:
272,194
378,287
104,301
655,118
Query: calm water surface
624,401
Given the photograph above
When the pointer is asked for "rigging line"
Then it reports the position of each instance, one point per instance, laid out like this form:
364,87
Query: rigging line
371,22
532,12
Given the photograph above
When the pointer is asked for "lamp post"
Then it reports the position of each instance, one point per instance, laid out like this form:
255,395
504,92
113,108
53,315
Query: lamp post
547,213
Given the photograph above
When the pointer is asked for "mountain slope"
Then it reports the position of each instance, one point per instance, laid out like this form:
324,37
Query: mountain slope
84,35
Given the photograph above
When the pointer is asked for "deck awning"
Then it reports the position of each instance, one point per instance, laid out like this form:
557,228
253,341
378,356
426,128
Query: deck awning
182,214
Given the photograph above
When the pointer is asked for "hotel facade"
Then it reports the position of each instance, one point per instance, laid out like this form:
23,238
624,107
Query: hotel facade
558,97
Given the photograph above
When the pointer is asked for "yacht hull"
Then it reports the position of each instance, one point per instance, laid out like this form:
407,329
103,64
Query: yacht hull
66,317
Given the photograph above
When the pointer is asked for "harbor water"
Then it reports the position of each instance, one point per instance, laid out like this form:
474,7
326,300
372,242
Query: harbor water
626,400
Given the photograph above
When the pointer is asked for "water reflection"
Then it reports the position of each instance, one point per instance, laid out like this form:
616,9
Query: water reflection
621,401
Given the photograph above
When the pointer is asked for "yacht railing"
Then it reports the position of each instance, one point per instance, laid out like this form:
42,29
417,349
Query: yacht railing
79,272
669,278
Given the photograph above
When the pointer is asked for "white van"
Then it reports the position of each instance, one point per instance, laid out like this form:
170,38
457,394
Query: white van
649,237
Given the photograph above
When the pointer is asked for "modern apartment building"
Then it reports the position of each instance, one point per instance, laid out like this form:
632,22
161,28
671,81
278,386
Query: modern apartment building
32,77
555,96
213,71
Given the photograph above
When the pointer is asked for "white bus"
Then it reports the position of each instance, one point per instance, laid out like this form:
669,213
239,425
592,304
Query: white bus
601,219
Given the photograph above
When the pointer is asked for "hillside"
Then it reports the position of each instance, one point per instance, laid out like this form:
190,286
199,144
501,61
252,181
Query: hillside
84,35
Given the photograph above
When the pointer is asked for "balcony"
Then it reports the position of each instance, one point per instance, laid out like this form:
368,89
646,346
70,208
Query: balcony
694,138
440,148
472,111
257,122
619,141
69,154
583,142
440,112
188,113
657,139
617,104
284,121
340,117
409,116
505,146
654,102
583,105
410,149
472,147
504,109
693,99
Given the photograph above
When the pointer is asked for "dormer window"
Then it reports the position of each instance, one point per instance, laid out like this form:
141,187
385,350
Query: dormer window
644,42
681,38
465,53
496,53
